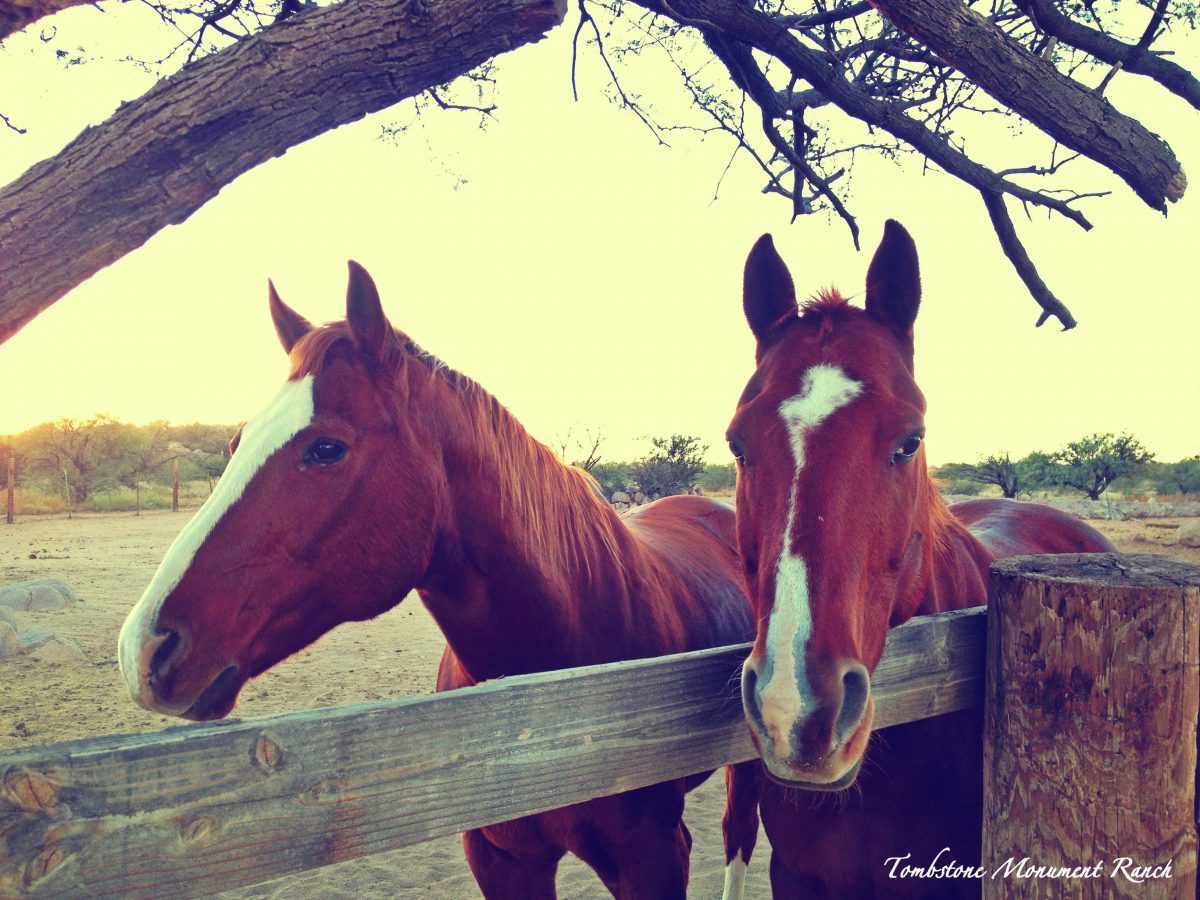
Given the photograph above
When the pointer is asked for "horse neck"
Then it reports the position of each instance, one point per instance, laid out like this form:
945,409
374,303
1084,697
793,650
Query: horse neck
955,563
529,559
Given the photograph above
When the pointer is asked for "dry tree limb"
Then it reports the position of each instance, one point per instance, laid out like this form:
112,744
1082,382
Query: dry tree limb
1140,157
1015,251
163,156
1063,108
1134,58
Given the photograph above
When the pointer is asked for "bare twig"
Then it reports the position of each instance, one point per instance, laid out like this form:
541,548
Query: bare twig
446,104
586,16
1015,251
8,123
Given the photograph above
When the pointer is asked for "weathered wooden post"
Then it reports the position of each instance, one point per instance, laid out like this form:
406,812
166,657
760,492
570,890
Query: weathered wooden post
175,484
12,479
1090,736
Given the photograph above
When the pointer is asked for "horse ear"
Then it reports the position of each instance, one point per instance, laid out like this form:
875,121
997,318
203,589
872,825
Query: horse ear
368,325
894,281
768,294
289,324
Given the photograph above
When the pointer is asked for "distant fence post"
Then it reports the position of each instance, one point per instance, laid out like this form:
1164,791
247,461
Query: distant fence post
1090,736
175,484
12,478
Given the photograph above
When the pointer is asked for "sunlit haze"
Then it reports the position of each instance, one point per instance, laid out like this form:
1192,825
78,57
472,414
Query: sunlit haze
585,275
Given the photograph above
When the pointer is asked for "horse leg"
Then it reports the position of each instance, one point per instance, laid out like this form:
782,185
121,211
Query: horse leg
502,875
743,783
654,866
637,843
787,885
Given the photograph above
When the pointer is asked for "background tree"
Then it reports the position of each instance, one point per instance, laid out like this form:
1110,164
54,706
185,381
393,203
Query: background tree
202,449
1011,476
80,453
801,88
138,452
584,452
1181,477
1092,463
671,467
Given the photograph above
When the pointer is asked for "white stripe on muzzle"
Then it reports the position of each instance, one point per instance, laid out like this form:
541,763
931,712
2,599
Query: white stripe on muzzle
289,413
824,389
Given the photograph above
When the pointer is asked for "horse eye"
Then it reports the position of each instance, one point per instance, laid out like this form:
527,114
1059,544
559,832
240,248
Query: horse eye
738,454
324,452
907,450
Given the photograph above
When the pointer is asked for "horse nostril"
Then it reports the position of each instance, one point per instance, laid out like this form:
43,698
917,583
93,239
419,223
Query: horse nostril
856,689
750,702
163,653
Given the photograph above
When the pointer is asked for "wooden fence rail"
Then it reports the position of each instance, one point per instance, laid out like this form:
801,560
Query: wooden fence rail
201,808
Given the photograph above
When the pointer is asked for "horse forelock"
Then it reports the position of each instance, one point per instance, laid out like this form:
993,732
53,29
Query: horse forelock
826,299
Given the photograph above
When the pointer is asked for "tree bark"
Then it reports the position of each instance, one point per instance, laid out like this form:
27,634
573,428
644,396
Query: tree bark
1031,86
1131,57
1092,687
17,14
160,158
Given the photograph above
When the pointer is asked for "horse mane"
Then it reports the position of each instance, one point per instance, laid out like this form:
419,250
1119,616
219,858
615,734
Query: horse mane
562,507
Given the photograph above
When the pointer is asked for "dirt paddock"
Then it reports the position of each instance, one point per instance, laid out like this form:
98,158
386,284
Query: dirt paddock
108,560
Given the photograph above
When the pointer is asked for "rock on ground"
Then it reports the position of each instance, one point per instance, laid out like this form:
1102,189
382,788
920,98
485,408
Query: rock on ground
38,595
45,645
1188,534
10,643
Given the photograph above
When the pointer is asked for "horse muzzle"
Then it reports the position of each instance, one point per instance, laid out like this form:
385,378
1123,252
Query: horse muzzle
808,742
166,684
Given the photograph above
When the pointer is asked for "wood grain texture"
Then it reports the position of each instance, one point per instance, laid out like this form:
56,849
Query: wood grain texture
197,809
157,160
1090,724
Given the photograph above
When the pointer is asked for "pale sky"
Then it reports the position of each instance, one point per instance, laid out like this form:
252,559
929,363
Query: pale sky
584,275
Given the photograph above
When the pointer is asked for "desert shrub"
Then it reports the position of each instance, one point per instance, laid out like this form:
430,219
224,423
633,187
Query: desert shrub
960,486
1181,477
718,477
671,467
612,476
30,501
124,499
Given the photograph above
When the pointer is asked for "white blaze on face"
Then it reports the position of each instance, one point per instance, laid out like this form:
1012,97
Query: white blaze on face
823,390
289,413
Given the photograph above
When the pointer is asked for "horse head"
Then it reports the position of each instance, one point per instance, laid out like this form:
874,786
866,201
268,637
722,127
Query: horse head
831,499
325,514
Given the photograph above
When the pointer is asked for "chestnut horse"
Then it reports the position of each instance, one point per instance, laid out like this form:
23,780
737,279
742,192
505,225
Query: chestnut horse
378,470
842,536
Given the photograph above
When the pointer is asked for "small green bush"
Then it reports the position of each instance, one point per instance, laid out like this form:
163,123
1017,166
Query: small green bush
717,478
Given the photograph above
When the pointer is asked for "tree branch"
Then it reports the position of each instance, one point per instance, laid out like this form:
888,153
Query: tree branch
1015,251
585,16
1133,58
163,156
18,14
1031,86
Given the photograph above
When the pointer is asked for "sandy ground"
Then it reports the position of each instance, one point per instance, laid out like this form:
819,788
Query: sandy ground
109,559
